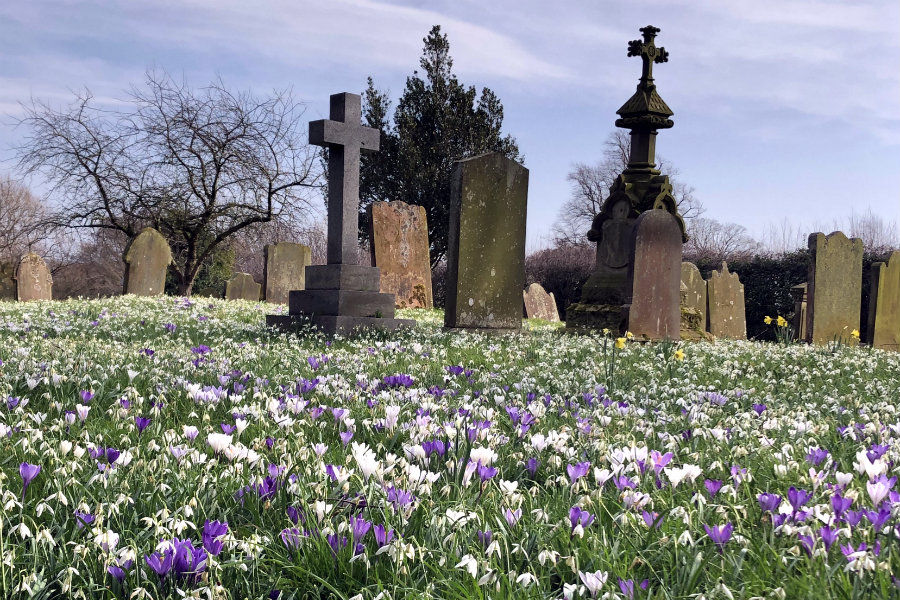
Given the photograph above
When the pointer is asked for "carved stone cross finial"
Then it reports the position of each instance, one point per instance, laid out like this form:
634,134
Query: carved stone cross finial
345,138
648,52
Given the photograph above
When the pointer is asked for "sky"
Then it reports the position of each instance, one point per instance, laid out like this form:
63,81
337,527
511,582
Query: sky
785,110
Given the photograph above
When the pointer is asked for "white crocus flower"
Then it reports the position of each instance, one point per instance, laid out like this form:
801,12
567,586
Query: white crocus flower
218,441
593,581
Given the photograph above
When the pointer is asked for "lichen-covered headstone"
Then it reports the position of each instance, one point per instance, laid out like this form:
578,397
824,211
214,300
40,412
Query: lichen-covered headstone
33,279
398,235
242,287
834,287
147,258
539,304
884,304
726,312
655,277
285,270
486,244
694,301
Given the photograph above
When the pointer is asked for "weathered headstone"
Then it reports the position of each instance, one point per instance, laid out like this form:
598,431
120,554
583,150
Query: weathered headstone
7,281
693,311
33,279
539,304
884,304
242,287
834,287
285,270
343,295
654,276
147,257
639,188
398,235
486,244
798,293
726,311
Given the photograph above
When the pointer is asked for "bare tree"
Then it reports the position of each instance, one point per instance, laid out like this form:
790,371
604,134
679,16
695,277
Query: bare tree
590,187
198,165
879,236
713,241
21,219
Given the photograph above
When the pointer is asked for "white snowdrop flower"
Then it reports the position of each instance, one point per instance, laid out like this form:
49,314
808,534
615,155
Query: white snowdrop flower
469,563
508,487
526,579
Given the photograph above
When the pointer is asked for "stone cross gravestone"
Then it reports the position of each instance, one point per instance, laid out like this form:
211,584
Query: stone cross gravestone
398,235
147,257
884,304
33,279
285,270
693,310
833,287
343,295
539,304
654,274
726,309
242,287
486,244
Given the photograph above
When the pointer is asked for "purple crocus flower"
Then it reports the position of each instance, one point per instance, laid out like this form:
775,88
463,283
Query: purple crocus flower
336,542
627,588
382,536
512,516
579,516
142,424
577,471
759,408
117,572
346,436
359,527
808,543
840,505
212,534
486,472
83,519
188,560
853,517
829,536
28,472
112,455
292,537
161,563
532,465
713,486
798,497
817,456
227,428
720,534
86,396
878,519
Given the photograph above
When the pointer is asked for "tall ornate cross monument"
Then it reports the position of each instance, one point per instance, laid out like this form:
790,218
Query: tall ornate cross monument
641,187
342,296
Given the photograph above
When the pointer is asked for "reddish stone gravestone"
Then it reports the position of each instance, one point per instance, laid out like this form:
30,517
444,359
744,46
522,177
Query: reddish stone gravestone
654,277
398,236
834,287
147,257
33,279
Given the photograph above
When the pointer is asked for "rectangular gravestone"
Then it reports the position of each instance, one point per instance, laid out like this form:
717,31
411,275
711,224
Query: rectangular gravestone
285,270
654,277
242,287
834,287
486,244
7,281
343,296
33,279
884,304
726,311
693,311
398,235
539,304
798,293
147,258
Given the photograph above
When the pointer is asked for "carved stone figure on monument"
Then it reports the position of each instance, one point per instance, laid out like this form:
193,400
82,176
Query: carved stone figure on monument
641,187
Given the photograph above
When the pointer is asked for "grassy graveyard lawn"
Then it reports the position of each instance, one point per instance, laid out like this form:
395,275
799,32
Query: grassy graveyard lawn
163,448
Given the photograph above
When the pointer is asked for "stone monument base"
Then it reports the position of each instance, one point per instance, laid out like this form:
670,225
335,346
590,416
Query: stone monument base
691,330
339,299
597,317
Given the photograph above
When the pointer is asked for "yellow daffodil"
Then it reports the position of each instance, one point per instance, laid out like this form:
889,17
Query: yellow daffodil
605,331
855,333
767,320
620,343
782,322
679,354
629,335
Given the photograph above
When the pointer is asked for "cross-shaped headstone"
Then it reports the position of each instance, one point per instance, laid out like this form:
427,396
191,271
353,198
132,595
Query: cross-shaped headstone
345,138
648,52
